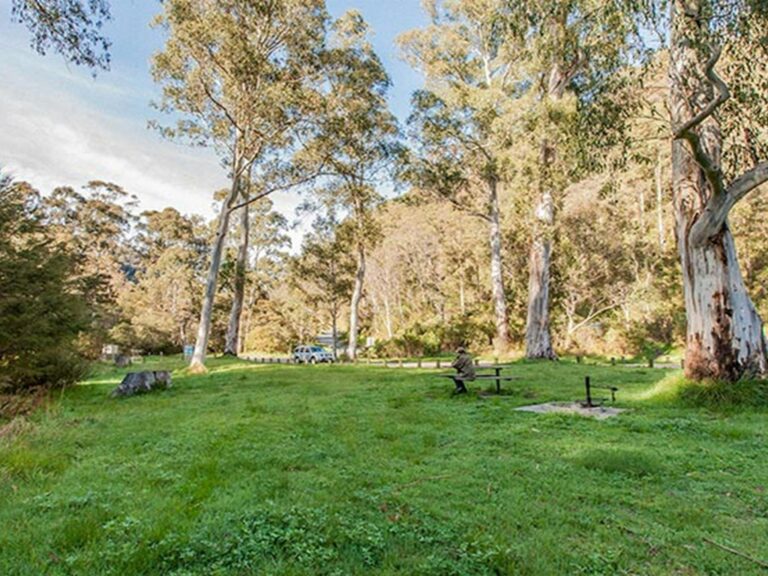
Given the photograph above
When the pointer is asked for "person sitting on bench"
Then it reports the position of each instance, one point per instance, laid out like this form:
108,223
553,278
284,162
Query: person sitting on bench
465,370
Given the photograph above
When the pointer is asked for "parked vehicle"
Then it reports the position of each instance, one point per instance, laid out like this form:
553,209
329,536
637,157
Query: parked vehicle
311,355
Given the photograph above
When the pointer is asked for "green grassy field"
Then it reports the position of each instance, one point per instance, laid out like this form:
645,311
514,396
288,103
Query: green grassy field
261,469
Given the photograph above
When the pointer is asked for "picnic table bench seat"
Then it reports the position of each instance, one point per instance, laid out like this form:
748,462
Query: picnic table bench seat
496,376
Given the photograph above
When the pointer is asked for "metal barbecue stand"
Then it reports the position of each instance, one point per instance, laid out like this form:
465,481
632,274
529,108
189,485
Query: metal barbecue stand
589,386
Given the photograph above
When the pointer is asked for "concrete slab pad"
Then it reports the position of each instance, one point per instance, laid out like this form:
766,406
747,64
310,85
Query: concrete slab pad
600,412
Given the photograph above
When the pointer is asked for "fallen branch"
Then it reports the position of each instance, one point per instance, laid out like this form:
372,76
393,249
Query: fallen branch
737,553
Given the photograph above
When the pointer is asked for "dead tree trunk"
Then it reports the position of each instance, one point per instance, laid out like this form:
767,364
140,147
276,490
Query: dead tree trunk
204,328
232,345
497,271
724,331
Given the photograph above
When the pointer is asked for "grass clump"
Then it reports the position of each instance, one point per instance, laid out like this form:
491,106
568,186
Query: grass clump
319,541
716,395
675,389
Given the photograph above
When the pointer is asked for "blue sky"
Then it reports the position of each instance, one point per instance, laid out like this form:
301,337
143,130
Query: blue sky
60,126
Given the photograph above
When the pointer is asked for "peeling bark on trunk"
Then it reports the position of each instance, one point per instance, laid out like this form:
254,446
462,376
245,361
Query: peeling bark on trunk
501,342
538,341
204,328
724,331
357,295
232,346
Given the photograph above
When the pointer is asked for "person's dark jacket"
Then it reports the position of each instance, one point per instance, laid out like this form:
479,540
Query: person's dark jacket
464,366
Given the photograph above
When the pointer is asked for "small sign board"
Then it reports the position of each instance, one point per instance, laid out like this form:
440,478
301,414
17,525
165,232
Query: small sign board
189,349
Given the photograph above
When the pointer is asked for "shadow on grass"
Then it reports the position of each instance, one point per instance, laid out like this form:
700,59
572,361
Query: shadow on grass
623,461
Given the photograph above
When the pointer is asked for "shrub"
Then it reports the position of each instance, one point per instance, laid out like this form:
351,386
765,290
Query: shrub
650,338
42,311
433,339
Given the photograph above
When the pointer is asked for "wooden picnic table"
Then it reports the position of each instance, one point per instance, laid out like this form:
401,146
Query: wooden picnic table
496,376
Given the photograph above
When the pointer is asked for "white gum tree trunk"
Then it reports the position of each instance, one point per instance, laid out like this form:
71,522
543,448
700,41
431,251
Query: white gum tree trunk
388,315
335,328
724,338
501,342
357,294
659,202
232,346
250,301
724,331
538,341
197,363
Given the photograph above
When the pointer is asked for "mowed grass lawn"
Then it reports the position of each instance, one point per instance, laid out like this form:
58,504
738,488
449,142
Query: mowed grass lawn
261,469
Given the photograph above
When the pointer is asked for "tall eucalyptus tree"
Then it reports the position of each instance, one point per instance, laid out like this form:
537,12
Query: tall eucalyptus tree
356,142
239,73
232,343
459,139
725,337
570,61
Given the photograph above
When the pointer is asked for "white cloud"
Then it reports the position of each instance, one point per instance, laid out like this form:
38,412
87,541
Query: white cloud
49,138
57,128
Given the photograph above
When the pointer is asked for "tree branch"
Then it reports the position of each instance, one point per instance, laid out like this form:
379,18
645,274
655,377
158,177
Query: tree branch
719,206
466,209
737,553
591,317
277,188
722,95
220,106
687,131
747,182
722,199
712,171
